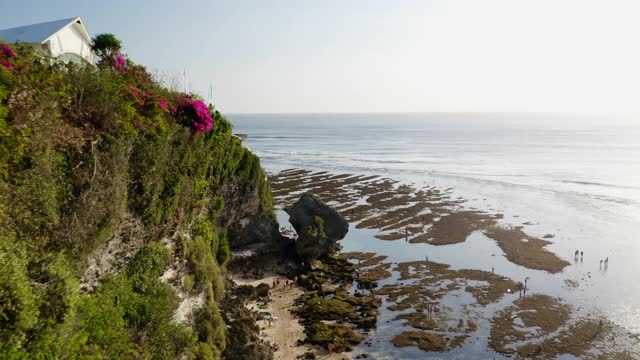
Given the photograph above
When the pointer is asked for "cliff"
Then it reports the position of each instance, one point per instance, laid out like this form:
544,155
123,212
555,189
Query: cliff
119,203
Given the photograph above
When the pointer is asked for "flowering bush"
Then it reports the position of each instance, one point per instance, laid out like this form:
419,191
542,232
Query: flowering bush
6,53
138,75
162,103
119,63
139,87
203,120
133,89
196,111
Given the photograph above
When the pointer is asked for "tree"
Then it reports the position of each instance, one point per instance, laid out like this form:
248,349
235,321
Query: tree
105,45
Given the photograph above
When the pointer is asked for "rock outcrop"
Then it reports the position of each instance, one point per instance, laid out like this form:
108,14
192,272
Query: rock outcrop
248,224
319,227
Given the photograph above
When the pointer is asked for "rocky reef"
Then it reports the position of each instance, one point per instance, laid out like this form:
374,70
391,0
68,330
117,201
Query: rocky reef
334,316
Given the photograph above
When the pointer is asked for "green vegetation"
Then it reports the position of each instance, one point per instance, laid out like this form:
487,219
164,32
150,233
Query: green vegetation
86,154
105,45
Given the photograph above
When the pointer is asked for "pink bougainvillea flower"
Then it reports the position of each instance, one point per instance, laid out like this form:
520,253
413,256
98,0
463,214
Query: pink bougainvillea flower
196,111
133,89
6,64
119,63
162,104
7,51
203,120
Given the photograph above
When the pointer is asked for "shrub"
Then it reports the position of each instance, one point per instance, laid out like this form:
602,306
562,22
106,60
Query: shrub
6,53
195,112
188,283
224,253
203,265
19,302
147,266
105,45
209,323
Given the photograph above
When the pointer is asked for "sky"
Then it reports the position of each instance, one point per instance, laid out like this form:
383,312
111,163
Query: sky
277,56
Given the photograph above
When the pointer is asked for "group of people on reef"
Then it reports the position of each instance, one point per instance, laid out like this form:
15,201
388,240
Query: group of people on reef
606,262
430,309
255,274
286,284
522,288
264,301
580,254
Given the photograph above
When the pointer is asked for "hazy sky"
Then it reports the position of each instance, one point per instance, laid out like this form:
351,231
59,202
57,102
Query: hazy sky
372,56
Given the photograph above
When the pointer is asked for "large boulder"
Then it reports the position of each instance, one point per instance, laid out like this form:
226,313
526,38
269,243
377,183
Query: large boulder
319,227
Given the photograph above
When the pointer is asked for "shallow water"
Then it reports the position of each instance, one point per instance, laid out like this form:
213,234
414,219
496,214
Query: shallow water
579,186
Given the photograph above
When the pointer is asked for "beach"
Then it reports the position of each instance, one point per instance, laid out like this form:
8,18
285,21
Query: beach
284,330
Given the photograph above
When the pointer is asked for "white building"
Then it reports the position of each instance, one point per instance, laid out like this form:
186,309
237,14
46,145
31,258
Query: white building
67,39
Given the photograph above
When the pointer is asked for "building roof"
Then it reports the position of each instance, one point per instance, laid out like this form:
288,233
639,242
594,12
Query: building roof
36,33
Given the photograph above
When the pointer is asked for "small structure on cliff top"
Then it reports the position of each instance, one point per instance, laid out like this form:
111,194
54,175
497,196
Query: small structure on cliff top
66,39
241,137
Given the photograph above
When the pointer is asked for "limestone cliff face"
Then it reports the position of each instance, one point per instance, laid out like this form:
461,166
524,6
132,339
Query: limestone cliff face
242,210
248,223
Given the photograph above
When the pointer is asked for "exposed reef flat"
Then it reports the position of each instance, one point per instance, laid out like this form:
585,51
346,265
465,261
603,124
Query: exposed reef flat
370,266
533,326
541,326
525,250
431,281
429,305
403,212
427,341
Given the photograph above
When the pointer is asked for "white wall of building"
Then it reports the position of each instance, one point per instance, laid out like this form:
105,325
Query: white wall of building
70,40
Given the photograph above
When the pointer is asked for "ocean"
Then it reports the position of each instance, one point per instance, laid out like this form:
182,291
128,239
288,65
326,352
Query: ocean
574,176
